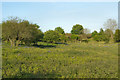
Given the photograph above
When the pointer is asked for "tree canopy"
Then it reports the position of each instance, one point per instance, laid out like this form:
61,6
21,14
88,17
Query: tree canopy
59,30
94,33
77,29
110,24
16,30
51,36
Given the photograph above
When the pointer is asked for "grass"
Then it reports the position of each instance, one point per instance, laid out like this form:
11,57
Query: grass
74,60
0,61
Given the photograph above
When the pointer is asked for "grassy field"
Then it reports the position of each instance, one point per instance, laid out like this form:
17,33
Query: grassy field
72,60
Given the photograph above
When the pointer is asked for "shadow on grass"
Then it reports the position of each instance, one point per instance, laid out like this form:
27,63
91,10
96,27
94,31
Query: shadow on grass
45,46
36,75
49,45
61,43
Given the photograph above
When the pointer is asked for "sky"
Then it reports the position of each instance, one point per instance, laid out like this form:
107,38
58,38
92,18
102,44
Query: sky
60,0
49,15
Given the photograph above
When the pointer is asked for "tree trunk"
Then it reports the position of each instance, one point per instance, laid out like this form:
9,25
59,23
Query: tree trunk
12,41
17,43
112,36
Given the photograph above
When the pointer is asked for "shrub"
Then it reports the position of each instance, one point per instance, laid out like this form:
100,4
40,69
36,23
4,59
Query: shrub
117,35
51,36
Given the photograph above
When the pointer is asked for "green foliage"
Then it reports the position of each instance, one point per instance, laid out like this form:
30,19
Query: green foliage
77,29
11,30
117,35
63,38
94,33
98,38
101,32
59,30
16,30
106,38
109,32
74,37
82,37
51,36
36,34
102,36
111,24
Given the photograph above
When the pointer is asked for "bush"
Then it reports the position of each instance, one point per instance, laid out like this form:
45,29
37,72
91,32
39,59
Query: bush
74,37
106,38
51,36
97,38
94,33
117,35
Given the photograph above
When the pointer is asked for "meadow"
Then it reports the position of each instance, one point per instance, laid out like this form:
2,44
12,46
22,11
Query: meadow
71,60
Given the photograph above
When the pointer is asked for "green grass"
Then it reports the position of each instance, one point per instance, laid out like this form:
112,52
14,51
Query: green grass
0,61
75,60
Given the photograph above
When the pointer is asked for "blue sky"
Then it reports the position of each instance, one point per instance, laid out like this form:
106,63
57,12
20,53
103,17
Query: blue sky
49,15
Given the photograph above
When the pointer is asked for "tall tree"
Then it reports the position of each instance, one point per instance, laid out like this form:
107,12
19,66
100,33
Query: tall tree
110,24
77,29
10,30
16,30
59,30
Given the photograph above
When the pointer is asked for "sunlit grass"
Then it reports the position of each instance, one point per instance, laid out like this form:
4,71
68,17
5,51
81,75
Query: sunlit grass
75,60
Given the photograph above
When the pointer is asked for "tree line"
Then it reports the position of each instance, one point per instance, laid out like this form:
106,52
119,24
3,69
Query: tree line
18,31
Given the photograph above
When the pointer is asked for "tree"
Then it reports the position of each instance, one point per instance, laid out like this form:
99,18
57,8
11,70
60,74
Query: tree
106,38
89,35
77,29
101,36
10,30
74,37
36,34
117,35
106,35
51,36
63,38
98,36
108,32
24,32
86,31
94,33
110,24
59,30
0,33
16,30
101,31
68,37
